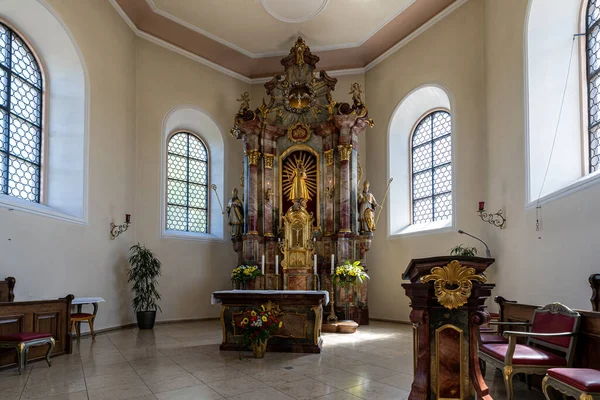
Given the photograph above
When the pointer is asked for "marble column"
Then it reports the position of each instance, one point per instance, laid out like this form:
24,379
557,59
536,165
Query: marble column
252,158
345,151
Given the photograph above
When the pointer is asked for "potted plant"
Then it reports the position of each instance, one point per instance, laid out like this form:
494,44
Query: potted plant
242,274
461,250
256,327
143,274
349,274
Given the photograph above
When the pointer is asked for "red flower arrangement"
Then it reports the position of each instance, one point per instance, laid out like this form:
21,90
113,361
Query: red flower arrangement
258,325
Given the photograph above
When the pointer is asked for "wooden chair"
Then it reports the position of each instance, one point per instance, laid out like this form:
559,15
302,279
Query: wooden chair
595,284
580,383
553,331
7,289
82,317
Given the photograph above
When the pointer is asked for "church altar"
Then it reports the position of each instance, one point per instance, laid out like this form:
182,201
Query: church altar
301,212
300,311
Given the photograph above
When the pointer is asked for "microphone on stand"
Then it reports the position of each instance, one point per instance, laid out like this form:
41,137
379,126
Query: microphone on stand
488,254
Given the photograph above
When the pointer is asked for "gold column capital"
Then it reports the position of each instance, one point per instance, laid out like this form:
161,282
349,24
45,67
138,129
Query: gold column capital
253,156
268,157
345,151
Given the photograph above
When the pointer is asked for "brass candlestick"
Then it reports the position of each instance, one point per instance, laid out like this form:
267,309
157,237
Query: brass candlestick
332,318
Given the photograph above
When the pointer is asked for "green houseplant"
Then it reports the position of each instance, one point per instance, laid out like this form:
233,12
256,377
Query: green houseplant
461,250
143,275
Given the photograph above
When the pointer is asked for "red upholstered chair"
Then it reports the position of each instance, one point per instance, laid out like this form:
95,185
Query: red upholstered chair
23,341
550,344
581,383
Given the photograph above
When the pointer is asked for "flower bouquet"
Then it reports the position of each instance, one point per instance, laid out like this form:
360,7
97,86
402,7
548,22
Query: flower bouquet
348,274
244,273
256,327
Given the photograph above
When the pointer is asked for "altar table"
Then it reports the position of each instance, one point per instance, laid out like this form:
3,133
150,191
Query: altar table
300,311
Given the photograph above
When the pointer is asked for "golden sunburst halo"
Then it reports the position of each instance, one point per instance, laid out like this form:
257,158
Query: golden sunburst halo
300,159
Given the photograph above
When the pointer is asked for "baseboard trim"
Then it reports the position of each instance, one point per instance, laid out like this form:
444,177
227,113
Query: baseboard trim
394,321
134,324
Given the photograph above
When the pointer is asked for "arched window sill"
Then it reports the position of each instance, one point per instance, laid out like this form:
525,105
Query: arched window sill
424,229
198,237
580,184
15,204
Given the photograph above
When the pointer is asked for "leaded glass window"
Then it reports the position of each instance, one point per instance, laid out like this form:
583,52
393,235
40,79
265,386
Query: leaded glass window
431,156
593,79
187,184
20,118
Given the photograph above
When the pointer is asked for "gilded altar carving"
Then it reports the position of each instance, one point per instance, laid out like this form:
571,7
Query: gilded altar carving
297,246
345,152
268,157
300,177
298,133
452,283
328,157
253,156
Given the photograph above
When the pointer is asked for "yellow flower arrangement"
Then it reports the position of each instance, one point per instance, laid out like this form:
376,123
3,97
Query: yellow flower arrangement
253,313
350,273
264,318
245,273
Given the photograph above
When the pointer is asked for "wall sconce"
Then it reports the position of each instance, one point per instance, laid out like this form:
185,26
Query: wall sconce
497,219
116,230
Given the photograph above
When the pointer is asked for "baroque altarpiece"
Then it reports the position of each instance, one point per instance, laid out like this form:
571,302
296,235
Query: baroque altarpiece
303,189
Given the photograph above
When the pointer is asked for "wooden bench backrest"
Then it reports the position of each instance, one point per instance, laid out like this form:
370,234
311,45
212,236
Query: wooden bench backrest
7,289
595,284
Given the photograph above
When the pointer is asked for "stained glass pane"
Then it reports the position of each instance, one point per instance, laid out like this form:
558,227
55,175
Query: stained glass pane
421,158
178,144
23,179
20,118
3,88
595,148
593,11
443,207
198,172
198,222
198,196
25,100
432,169
422,211
25,140
197,149
187,185
176,218
23,63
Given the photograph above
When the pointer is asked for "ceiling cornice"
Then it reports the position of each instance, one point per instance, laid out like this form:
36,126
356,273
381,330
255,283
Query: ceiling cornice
202,47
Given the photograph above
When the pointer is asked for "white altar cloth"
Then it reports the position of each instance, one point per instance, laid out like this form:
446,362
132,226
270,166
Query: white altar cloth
214,300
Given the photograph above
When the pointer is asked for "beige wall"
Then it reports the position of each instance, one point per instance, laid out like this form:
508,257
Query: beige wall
192,270
51,258
450,54
555,263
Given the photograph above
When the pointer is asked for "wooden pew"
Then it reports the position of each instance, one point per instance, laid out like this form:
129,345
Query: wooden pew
7,289
52,316
595,284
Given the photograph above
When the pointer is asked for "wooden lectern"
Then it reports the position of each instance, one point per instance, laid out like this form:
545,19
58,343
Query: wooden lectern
447,298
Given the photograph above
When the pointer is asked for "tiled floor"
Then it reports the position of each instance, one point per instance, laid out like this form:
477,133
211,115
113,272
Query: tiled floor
183,361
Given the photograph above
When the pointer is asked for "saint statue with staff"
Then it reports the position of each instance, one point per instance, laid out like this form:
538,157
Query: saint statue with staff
235,215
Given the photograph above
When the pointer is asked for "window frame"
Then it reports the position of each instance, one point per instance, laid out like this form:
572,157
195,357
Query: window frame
43,147
410,165
173,232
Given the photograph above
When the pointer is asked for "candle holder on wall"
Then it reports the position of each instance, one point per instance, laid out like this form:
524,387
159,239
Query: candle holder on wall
497,219
116,230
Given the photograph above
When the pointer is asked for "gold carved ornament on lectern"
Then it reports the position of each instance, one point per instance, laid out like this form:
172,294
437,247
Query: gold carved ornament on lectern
452,283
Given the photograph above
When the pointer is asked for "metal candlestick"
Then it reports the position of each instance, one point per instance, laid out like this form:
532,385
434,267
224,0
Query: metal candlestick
332,318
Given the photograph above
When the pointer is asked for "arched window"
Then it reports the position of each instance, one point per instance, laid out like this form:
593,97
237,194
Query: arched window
187,184
20,118
593,81
431,160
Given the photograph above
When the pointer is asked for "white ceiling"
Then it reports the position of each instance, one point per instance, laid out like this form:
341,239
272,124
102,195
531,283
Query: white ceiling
247,26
